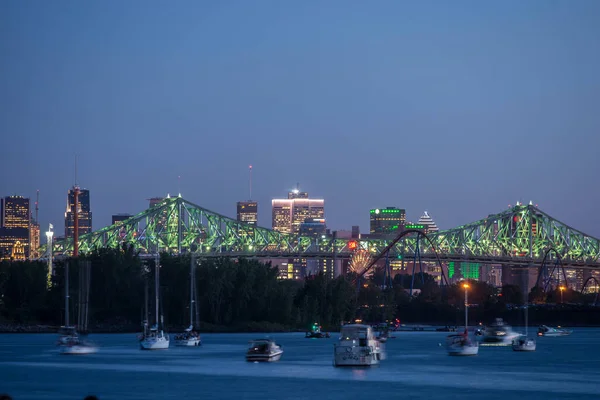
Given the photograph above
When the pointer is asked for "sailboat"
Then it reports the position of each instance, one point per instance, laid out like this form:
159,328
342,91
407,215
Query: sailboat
460,344
522,342
189,337
69,342
154,338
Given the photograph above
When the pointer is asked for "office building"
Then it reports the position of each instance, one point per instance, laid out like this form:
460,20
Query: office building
120,218
386,221
428,222
84,213
289,213
34,240
313,227
355,232
15,223
247,211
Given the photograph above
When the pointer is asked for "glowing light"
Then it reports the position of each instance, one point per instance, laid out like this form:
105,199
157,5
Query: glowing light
466,285
352,244
561,288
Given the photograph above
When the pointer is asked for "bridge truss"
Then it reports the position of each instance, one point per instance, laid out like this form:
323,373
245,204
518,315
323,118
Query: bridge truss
518,236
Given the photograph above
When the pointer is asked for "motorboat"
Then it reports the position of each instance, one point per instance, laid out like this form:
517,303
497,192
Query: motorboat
498,334
357,347
188,338
76,346
263,350
523,343
461,345
553,332
316,333
154,339
383,336
67,334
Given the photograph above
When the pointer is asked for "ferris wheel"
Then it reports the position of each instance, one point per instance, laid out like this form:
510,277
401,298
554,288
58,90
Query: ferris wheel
360,261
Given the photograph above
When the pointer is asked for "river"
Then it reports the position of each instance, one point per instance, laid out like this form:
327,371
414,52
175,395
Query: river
417,367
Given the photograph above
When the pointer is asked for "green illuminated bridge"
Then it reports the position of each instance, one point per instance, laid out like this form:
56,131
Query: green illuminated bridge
520,236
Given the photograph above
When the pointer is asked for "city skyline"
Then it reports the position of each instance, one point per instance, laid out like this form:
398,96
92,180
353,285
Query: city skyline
459,110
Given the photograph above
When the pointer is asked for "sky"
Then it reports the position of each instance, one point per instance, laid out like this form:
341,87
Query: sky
458,108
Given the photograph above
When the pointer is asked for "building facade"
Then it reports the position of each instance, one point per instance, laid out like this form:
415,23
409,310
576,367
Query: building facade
288,214
428,222
386,221
120,218
247,212
15,221
84,213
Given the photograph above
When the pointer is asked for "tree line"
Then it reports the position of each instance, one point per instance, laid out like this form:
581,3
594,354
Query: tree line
247,295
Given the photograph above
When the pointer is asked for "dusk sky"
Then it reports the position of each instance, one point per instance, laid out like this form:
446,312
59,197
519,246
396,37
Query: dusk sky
459,108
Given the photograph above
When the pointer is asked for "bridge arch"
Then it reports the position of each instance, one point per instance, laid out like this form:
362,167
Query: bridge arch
588,280
385,251
543,270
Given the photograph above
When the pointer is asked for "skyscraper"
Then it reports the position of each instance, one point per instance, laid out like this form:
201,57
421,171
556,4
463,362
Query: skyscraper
387,221
84,213
15,223
120,218
289,213
430,225
247,211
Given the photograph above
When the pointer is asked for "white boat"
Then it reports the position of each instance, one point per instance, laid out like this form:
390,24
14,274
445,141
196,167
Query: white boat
522,342
553,332
77,346
69,342
263,350
358,346
461,345
189,338
498,334
154,338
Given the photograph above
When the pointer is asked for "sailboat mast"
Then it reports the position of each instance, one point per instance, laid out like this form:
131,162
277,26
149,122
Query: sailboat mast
67,294
466,309
526,318
192,291
156,283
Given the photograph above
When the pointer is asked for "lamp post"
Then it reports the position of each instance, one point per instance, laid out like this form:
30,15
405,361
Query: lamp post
466,286
562,289
49,235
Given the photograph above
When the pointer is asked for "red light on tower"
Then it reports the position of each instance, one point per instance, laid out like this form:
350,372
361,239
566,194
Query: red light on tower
352,245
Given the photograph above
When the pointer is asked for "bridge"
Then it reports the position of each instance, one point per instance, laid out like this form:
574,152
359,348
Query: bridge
522,235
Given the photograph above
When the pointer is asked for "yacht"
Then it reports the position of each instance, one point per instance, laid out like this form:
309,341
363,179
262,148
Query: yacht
498,334
315,332
69,342
553,332
154,338
264,350
461,345
522,342
357,347
188,338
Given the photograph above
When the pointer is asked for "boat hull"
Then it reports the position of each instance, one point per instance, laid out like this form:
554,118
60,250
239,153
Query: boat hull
188,342
271,357
524,347
78,350
463,351
355,356
154,344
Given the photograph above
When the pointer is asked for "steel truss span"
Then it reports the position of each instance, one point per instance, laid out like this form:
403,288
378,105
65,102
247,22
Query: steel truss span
518,236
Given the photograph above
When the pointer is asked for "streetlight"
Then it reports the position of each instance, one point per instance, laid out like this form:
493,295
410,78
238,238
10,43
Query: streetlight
49,235
466,286
562,289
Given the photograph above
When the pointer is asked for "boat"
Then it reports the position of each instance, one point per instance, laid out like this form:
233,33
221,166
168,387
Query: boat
498,334
189,337
315,333
544,330
357,347
383,336
69,341
522,342
461,345
263,350
154,338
